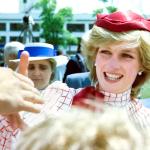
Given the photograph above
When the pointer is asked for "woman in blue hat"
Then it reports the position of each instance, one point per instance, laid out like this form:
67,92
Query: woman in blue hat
42,63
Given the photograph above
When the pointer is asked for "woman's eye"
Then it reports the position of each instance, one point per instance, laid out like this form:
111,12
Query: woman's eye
43,67
31,67
105,52
127,56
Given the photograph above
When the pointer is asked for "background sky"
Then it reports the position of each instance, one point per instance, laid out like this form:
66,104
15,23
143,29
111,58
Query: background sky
9,6
83,6
79,6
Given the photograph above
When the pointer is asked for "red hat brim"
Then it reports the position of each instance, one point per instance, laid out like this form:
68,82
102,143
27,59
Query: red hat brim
122,21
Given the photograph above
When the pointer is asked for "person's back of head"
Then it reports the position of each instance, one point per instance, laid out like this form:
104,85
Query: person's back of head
11,51
86,130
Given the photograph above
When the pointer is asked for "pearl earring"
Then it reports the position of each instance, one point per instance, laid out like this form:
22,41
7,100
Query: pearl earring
95,64
140,73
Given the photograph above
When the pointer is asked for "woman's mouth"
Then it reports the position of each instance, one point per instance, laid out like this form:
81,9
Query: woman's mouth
112,76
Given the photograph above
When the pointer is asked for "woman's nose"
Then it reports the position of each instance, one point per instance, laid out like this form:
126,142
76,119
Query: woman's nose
36,71
114,63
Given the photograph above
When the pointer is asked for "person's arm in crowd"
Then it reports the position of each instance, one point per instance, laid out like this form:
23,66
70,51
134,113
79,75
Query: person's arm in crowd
17,92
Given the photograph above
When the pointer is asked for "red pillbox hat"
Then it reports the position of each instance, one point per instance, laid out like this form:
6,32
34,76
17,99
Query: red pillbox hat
122,21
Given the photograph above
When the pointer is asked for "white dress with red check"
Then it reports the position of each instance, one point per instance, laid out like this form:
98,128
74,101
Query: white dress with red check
58,98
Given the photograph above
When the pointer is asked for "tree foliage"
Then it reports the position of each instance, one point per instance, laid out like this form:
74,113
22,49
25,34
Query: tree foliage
52,23
109,9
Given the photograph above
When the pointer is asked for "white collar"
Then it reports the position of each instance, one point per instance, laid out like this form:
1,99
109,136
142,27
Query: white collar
120,99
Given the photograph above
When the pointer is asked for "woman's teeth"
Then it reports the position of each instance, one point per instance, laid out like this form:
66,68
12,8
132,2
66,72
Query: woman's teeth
113,76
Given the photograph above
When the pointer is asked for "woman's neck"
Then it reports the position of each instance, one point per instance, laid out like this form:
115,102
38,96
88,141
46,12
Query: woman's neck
120,99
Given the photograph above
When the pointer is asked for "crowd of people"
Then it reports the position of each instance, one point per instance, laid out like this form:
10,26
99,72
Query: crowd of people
117,54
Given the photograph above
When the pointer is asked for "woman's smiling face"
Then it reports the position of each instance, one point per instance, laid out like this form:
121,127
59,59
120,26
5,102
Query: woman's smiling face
117,66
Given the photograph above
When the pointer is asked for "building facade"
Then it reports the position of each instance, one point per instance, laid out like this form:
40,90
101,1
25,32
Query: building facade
13,26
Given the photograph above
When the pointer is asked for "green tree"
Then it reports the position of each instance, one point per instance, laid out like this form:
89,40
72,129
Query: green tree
109,9
52,23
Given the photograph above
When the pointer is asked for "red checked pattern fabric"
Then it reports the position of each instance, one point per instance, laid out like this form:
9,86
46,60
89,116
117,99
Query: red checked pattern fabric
58,98
6,134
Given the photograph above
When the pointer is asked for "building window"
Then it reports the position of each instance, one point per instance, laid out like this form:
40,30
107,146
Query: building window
36,39
2,27
20,39
16,27
76,27
16,38
90,26
36,27
2,39
24,1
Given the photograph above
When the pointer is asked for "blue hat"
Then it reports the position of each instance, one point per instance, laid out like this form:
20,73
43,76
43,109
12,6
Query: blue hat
38,51
41,51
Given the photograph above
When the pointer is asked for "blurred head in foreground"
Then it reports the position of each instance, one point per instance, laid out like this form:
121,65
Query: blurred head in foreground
83,129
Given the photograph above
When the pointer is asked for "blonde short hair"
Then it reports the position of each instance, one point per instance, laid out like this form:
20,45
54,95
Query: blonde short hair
82,129
99,36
